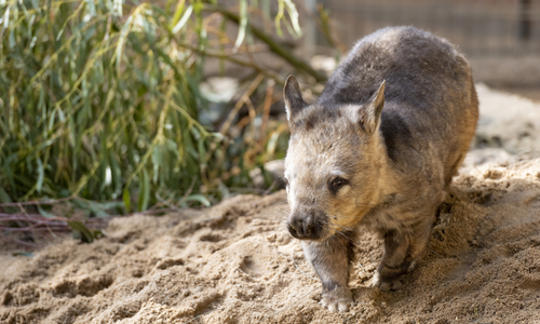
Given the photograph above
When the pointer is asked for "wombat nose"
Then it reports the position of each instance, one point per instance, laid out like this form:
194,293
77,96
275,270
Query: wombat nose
304,227
292,230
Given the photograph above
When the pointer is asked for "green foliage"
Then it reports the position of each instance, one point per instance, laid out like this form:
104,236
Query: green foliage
100,100
81,232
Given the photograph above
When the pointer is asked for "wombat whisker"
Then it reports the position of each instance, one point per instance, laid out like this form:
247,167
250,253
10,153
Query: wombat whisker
340,233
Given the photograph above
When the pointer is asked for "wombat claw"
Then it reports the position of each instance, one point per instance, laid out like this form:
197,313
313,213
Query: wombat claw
389,285
337,300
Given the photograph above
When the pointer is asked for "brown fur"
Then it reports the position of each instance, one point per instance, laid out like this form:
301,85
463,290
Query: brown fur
378,148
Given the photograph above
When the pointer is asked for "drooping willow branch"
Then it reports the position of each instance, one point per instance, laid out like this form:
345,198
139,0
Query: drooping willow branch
274,47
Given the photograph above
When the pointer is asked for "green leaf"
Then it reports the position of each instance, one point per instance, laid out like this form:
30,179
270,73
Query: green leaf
293,14
41,174
243,24
144,191
83,233
127,199
4,197
177,13
183,21
45,213
196,198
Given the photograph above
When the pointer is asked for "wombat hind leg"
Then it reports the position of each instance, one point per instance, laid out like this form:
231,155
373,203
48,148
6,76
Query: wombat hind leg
402,251
422,233
395,261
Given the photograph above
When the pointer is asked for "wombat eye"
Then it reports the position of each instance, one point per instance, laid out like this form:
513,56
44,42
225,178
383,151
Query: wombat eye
336,183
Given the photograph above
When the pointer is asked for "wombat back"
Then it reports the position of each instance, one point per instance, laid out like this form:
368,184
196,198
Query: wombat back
429,97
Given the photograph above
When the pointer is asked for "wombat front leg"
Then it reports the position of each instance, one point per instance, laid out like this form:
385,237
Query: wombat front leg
330,259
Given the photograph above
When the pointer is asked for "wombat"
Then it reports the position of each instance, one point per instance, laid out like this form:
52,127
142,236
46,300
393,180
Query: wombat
378,148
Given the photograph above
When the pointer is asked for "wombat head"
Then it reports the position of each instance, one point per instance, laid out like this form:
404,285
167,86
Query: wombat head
333,163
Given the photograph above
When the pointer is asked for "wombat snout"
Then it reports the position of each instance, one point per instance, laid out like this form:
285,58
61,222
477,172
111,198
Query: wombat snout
306,225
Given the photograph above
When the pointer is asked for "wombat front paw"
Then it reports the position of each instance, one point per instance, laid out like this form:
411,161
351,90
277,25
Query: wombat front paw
338,299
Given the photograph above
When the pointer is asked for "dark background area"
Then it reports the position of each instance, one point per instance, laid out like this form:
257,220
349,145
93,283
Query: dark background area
501,38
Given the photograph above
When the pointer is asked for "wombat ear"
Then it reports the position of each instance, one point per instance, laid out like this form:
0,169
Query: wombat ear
293,97
370,115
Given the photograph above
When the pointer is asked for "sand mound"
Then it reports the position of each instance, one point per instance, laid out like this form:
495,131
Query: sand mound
236,263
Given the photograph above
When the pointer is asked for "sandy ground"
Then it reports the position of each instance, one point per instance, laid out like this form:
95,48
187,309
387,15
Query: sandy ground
235,263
